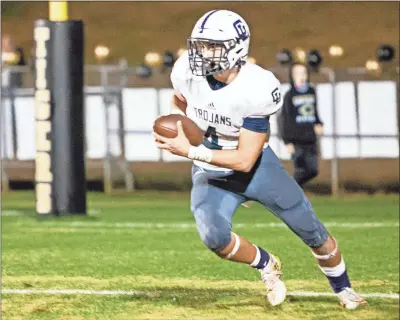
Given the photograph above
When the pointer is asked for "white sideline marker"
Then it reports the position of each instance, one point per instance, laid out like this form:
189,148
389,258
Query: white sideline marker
135,293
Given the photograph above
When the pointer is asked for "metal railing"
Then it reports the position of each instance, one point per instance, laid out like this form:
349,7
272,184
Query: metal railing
109,95
109,80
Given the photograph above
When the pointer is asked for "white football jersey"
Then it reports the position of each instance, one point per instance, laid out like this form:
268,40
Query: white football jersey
255,92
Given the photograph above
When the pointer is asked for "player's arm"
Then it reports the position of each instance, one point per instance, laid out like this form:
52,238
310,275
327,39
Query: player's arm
178,103
245,156
250,145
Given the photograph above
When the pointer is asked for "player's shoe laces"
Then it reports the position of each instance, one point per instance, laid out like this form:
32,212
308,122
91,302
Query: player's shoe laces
350,299
271,276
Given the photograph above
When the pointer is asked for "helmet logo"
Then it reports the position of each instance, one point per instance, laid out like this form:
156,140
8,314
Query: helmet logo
240,29
203,25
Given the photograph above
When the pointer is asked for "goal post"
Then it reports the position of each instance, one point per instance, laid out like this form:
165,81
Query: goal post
60,181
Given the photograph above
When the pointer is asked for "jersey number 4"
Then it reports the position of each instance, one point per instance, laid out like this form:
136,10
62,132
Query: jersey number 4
211,132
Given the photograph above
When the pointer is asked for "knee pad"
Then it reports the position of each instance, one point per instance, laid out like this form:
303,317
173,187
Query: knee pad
215,239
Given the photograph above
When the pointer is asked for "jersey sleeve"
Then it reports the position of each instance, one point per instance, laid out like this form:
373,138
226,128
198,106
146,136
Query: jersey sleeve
259,124
265,97
179,74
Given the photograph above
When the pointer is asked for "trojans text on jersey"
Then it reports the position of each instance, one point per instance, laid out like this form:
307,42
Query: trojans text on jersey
212,117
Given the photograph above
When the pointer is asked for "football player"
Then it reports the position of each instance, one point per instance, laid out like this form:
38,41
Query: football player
232,99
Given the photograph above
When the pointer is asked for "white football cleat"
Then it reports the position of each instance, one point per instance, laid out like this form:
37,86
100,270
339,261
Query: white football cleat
350,299
271,276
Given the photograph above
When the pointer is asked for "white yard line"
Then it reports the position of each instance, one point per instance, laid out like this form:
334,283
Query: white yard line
179,225
11,213
134,293
74,291
330,294
14,213
171,225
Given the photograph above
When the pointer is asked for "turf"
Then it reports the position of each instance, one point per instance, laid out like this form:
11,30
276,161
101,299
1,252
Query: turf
173,274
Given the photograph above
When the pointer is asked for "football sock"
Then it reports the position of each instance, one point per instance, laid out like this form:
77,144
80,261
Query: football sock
337,276
261,260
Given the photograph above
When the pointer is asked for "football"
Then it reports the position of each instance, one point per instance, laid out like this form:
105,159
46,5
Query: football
166,126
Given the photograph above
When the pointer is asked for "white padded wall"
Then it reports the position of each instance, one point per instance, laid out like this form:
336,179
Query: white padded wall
140,111
95,127
25,123
6,130
377,110
378,116
324,97
346,120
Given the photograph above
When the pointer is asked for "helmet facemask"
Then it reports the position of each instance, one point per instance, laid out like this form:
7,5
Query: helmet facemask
207,57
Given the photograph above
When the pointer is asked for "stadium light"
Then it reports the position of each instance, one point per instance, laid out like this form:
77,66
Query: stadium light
284,57
385,53
336,51
9,57
314,59
372,66
101,52
251,59
300,55
152,59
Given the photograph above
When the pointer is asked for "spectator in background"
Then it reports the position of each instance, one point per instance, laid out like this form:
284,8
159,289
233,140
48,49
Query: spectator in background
299,124
11,56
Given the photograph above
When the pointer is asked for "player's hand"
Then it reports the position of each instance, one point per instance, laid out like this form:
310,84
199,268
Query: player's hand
179,145
290,148
318,129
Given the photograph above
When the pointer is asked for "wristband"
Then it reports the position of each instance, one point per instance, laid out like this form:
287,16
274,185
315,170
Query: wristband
200,153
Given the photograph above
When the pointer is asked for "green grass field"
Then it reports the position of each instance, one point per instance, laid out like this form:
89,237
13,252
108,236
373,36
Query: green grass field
147,243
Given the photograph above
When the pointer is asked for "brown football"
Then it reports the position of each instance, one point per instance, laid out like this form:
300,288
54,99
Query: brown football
166,126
